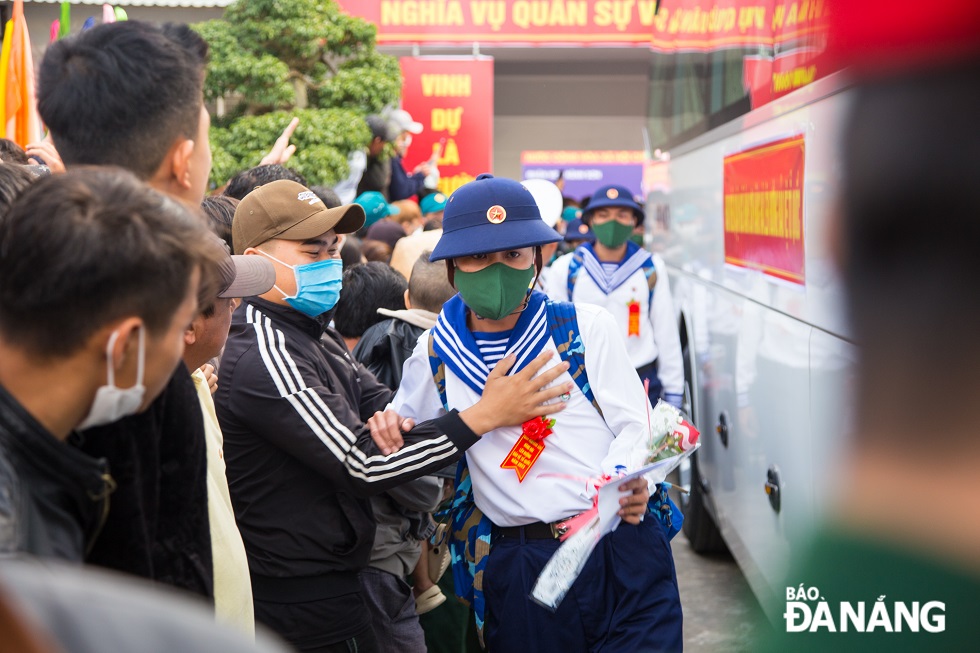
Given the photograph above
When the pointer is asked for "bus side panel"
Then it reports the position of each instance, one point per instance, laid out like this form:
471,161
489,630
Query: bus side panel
769,354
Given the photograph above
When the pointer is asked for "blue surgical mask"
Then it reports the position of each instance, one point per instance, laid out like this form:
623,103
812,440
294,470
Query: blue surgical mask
317,285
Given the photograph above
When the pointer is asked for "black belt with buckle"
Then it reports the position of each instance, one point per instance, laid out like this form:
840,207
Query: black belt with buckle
535,531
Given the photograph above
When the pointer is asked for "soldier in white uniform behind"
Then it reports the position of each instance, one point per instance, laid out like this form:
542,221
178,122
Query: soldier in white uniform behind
626,280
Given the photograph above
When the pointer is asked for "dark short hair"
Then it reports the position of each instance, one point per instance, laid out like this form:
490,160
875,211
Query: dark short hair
910,234
376,251
191,41
248,180
220,211
429,287
367,288
351,251
14,179
11,152
327,195
119,94
82,249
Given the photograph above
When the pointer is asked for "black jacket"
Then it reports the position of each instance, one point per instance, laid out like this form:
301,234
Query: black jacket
403,185
52,498
158,525
384,348
377,176
300,460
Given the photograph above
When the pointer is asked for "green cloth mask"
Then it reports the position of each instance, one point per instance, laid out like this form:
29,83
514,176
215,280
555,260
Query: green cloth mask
612,234
495,291
637,239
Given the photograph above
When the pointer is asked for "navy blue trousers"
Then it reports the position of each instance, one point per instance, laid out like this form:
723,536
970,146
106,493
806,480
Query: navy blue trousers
656,387
624,601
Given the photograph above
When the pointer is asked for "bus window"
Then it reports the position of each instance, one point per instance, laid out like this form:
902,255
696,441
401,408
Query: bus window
714,60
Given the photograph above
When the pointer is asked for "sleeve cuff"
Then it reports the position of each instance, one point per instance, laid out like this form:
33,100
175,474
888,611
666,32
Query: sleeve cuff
456,430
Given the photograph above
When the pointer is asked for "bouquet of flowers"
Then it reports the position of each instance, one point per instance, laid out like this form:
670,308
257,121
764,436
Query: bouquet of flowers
672,439
673,433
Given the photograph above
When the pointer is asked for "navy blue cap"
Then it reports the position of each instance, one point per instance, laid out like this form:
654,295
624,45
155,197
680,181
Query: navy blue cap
578,230
491,215
613,196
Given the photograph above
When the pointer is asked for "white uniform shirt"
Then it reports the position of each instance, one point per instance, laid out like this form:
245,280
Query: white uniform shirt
583,445
658,338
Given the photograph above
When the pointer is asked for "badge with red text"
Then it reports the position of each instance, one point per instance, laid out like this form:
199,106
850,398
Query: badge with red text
528,447
633,328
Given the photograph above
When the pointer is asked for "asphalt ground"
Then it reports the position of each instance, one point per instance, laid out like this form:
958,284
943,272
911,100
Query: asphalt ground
721,615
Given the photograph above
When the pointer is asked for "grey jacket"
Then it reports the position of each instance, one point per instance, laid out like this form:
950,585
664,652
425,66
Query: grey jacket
403,522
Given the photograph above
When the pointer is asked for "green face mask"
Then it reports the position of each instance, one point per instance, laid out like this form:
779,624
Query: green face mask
612,234
495,291
637,239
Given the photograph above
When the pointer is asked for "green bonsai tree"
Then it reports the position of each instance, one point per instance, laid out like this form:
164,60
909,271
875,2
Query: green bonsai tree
275,59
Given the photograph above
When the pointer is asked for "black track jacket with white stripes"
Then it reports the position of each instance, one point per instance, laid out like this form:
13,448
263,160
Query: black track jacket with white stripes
300,459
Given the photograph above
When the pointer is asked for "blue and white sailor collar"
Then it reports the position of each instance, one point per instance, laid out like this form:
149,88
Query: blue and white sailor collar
456,347
635,259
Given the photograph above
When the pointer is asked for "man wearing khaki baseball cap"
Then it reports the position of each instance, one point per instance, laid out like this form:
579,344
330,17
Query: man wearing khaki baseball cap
293,404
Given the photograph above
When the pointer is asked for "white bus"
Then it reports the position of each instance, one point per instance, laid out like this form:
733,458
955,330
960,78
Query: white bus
739,202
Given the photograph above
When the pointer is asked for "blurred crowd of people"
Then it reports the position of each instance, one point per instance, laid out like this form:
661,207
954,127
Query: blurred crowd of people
258,398
196,389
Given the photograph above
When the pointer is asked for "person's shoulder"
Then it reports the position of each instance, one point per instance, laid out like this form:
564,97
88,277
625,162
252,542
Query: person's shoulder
377,336
590,312
84,609
594,321
562,262
9,502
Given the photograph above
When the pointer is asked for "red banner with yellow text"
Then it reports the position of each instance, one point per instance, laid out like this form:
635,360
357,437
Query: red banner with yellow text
508,22
677,25
453,99
763,208
704,25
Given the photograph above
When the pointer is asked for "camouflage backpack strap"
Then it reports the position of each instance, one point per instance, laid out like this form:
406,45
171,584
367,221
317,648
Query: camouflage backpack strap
574,267
650,272
469,530
438,372
563,327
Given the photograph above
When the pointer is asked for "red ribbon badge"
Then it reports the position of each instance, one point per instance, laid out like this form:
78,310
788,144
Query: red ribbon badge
633,328
528,447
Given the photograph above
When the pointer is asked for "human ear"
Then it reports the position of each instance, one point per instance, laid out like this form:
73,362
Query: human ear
190,334
126,341
180,163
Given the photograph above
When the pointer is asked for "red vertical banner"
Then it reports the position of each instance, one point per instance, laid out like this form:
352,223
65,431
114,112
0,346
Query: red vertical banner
453,99
763,191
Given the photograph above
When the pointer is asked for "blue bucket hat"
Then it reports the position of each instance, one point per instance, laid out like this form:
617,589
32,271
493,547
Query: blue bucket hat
375,207
491,215
613,196
578,230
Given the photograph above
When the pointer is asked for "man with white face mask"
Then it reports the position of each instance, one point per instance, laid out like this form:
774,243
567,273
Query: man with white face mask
90,331
153,124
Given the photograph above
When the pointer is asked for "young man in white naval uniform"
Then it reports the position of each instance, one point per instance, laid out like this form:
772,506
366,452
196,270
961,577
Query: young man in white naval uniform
631,284
626,597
